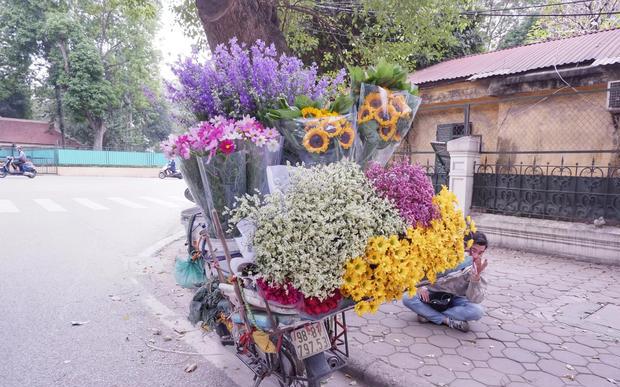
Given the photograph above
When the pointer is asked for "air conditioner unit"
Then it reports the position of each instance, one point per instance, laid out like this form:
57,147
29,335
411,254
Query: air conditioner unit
613,96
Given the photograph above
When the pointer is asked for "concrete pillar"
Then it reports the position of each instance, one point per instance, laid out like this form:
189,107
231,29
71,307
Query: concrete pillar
464,153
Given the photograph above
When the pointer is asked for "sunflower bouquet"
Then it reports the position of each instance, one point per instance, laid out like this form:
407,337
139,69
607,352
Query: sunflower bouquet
386,106
315,134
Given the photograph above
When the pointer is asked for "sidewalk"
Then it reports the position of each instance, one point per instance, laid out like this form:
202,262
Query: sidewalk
549,322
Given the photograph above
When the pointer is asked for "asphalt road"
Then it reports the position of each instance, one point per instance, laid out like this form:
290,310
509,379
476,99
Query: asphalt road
69,248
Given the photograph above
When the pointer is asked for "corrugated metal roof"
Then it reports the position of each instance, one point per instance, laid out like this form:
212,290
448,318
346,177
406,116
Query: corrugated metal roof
603,47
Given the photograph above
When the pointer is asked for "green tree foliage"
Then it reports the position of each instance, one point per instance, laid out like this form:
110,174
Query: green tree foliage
19,22
518,35
501,17
337,33
596,17
98,60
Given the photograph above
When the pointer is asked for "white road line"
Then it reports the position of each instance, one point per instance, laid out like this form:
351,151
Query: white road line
126,203
159,201
7,206
90,204
50,205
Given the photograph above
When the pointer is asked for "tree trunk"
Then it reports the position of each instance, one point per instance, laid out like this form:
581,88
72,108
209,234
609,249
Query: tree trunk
98,125
60,114
248,20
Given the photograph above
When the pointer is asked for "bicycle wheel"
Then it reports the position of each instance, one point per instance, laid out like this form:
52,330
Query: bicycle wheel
292,368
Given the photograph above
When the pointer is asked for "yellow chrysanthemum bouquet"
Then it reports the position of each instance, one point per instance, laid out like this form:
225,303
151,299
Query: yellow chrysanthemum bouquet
386,105
315,133
393,265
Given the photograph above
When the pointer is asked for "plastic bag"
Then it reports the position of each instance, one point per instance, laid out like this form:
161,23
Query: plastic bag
224,179
189,273
258,158
384,118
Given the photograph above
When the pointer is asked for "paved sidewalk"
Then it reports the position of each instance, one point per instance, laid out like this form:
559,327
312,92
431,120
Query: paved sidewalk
549,322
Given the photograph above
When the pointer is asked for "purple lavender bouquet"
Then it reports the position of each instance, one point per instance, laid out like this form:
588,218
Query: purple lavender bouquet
239,80
408,188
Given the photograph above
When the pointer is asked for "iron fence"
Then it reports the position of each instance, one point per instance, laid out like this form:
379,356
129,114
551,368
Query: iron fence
570,192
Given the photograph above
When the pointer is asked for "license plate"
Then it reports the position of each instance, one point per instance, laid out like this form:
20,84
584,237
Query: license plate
310,340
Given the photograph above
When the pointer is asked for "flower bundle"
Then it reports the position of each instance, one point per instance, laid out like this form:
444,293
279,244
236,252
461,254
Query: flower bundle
284,294
386,108
440,246
307,234
238,80
316,134
218,136
232,157
392,265
314,306
408,187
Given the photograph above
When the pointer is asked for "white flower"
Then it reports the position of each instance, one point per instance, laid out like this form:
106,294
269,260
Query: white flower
325,218
273,145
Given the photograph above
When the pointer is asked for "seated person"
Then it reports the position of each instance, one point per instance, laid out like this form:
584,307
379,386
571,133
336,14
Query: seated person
464,283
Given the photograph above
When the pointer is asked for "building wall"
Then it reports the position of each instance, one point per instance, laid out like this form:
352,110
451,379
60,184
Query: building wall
526,122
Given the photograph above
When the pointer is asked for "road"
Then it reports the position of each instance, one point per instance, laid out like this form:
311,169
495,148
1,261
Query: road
68,247
79,249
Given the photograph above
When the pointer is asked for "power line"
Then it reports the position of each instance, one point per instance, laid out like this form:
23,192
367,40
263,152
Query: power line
540,14
534,6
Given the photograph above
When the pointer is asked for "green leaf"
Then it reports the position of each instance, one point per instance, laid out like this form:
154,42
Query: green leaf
342,104
303,101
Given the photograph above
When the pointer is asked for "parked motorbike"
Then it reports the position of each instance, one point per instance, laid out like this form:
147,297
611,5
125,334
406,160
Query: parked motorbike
9,168
167,172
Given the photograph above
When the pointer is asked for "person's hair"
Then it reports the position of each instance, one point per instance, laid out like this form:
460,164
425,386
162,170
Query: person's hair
478,237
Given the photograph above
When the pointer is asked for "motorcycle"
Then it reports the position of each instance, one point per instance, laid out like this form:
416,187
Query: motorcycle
167,172
8,168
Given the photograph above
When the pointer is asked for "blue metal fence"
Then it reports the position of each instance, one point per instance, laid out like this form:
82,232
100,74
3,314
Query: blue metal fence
74,157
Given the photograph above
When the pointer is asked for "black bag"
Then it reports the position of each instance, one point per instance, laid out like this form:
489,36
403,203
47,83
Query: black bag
440,301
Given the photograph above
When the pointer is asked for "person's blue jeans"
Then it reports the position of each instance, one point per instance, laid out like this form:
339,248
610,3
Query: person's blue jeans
461,309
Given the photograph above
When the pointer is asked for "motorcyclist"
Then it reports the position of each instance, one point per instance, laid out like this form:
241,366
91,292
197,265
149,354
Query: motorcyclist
172,166
21,159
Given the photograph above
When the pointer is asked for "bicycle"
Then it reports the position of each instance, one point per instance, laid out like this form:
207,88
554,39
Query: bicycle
297,352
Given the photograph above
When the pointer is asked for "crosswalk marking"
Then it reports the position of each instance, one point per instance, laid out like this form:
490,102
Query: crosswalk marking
50,205
160,202
7,206
90,204
126,203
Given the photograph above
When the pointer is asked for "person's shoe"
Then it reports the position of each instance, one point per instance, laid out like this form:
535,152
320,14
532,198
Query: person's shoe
462,326
422,319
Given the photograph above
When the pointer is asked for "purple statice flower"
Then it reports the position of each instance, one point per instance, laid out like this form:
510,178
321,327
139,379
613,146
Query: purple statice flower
239,80
408,188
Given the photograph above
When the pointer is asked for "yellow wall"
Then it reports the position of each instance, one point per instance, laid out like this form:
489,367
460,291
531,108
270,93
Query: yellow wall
537,123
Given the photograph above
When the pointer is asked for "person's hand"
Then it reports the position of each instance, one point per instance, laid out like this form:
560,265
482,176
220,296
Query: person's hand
424,294
479,266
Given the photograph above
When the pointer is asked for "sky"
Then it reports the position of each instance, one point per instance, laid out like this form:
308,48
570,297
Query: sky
170,40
